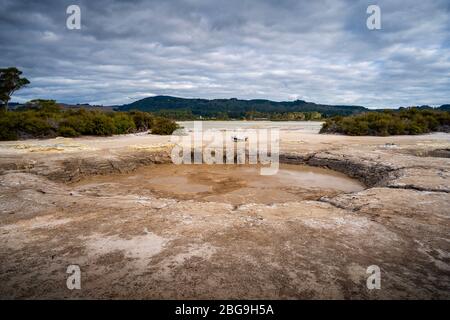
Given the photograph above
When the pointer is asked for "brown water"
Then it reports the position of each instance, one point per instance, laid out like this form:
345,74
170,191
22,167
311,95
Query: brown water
235,184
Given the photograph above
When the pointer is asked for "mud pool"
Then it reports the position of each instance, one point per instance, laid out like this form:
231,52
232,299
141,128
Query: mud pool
234,184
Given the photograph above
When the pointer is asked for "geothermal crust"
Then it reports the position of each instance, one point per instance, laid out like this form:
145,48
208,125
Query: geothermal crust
135,244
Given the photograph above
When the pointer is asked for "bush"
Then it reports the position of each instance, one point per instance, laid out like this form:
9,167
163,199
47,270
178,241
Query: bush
67,132
35,126
8,124
80,123
143,121
404,121
103,125
46,119
123,123
163,126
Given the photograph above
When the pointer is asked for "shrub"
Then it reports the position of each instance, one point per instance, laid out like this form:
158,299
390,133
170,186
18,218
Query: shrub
45,119
123,123
163,126
32,124
404,121
8,125
67,132
80,123
103,125
143,121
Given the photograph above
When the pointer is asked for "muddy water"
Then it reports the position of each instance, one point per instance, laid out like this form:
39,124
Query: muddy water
234,184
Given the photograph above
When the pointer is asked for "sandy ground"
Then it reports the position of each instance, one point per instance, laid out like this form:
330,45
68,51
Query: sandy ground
132,242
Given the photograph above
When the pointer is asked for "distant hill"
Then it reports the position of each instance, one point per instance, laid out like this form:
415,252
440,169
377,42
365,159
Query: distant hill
444,107
187,109
236,108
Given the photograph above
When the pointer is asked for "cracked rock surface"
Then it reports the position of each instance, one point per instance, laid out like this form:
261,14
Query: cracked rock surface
133,244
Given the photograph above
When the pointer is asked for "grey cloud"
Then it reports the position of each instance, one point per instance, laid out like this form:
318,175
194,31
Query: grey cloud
315,50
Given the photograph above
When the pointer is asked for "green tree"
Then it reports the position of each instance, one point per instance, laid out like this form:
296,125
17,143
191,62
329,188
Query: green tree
10,82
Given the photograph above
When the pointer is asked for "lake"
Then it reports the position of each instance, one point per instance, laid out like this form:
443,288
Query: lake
301,126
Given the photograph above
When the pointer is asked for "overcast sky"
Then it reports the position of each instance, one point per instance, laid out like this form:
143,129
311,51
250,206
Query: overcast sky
318,51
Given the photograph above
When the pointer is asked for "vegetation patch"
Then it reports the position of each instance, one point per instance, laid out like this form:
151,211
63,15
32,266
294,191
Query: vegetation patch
46,119
405,121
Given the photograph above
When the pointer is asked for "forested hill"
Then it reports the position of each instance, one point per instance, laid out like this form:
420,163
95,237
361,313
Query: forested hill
235,108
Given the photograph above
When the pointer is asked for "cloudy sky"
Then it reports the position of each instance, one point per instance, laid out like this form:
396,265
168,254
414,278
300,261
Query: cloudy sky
318,51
